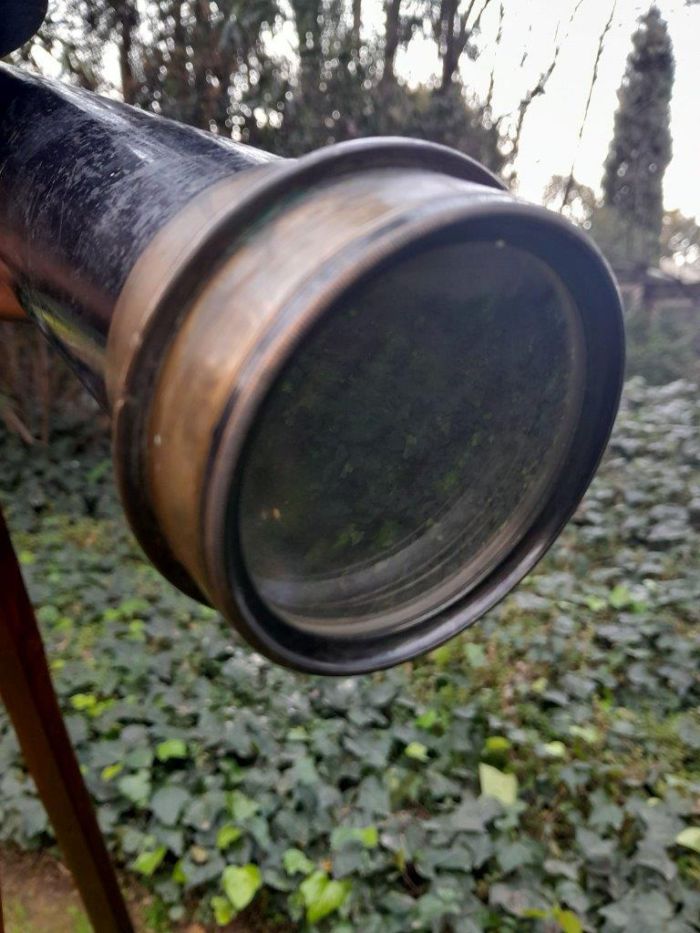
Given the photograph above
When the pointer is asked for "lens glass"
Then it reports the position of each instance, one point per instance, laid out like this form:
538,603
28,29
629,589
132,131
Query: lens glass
411,439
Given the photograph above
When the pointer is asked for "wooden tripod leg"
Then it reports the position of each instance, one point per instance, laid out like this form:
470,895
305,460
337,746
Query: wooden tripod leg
29,697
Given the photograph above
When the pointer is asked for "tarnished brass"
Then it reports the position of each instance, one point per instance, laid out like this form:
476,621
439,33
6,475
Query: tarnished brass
192,354
229,343
471,363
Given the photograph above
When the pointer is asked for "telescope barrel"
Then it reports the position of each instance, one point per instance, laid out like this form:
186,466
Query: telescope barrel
85,184
355,396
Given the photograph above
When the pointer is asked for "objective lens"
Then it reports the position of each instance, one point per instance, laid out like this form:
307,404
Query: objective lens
411,439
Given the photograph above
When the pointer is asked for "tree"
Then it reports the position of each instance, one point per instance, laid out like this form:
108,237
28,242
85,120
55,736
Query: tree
217,64
680,240
570,197
454,25
207,64
641,146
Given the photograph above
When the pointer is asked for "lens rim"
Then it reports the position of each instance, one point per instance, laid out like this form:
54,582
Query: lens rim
173,271
455,577
587,277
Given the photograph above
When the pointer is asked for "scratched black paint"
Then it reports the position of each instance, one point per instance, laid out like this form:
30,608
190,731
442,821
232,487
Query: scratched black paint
19,20
85,183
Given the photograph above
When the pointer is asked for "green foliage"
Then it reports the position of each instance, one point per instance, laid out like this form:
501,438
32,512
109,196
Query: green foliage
288,77
171,748
690,838
575,200
227,835
664,345
367,837
680,239
295,862
222,909
641,146
322,896
565,920
147,862
417,751
496,784
581,691
241,884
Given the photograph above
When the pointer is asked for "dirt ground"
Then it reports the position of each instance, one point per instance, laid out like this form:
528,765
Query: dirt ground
38,896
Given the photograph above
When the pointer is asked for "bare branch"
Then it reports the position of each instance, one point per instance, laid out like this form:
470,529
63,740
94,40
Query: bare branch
497,45
591,88
477,21
356,22
456,41
541,85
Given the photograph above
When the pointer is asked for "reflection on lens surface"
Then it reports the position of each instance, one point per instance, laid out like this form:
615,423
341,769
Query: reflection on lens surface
411,439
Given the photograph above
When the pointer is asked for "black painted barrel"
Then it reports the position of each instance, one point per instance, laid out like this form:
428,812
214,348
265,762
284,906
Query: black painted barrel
355,396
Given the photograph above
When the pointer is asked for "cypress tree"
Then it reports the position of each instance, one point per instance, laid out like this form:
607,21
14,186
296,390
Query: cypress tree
641,146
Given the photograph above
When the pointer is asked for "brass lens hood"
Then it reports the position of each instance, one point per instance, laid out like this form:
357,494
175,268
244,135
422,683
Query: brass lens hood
183,276
174,270
231,286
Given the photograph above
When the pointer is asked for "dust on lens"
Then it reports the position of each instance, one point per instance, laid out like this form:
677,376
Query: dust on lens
411,439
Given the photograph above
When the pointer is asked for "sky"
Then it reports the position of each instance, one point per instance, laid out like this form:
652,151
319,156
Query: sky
550,134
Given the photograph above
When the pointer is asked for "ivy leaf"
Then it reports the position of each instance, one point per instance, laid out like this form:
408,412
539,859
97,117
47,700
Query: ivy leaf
427,719
620,597
147,862
171,748
111,771
311,889
136,787
322,896
241,884
227,835
498,784
295,862
512,855
242,807
588,734
595,603
496,745
645,911
368,837
554,749
567,920
475,654
689,838
83,701
417,751
223,911
168,802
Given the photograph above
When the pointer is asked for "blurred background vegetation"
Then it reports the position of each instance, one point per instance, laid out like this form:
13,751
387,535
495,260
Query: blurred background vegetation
292,75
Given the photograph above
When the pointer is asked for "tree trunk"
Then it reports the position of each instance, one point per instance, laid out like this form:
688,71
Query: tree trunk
127,22
448,11
356,22
391,39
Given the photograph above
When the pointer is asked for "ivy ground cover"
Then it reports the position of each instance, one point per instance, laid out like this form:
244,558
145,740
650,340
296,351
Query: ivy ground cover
542,772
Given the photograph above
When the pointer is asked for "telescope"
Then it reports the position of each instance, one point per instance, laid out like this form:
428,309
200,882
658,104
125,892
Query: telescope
354,396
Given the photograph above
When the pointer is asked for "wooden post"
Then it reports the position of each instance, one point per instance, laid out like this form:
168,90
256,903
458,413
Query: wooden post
28,694
10,308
